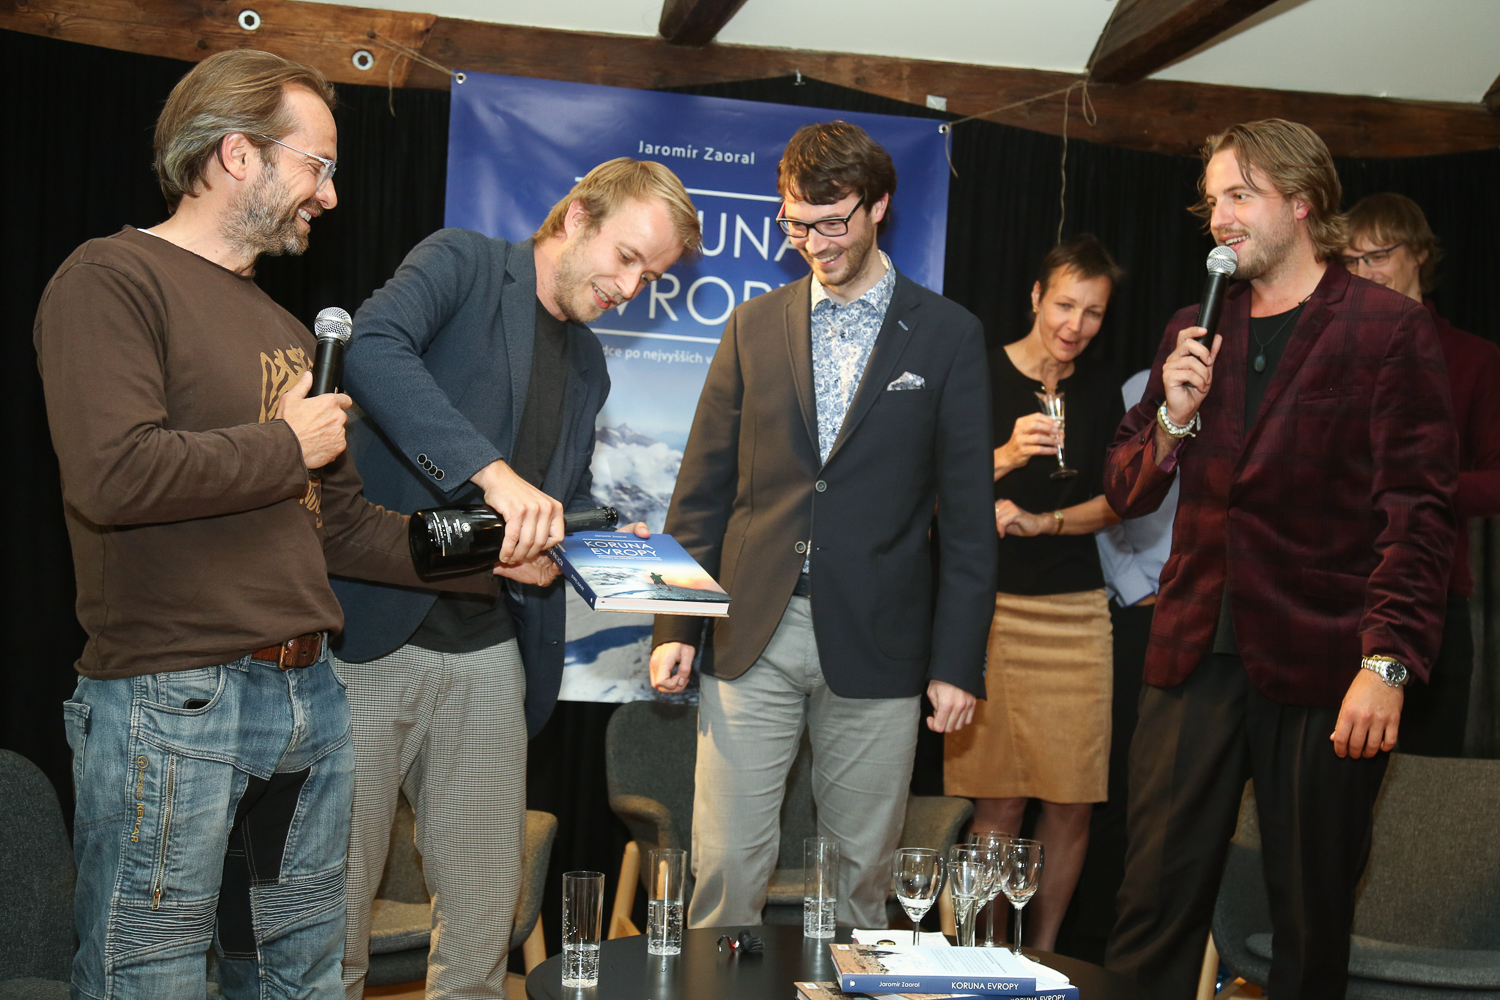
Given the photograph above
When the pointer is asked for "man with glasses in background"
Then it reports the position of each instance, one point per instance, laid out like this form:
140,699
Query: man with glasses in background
207,499
838,411
1391,244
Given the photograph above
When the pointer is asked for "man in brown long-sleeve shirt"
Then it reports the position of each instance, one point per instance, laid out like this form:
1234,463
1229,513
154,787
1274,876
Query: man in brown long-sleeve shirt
207,499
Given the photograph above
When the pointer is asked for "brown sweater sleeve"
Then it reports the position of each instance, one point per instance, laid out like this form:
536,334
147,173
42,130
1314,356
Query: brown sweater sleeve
120,462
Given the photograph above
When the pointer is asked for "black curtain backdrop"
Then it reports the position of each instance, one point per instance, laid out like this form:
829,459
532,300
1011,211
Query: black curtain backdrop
78,130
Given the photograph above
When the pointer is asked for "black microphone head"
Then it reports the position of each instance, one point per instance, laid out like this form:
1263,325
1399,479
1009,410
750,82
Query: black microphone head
334,323
1221,260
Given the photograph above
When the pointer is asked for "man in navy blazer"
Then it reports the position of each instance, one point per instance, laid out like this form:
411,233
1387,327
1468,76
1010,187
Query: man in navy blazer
839,411
479,378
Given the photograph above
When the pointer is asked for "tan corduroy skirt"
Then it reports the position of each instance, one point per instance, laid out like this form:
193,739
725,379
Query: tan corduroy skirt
1043,730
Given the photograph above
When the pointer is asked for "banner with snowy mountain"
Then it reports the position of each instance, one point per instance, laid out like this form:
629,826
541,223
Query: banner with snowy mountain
517,145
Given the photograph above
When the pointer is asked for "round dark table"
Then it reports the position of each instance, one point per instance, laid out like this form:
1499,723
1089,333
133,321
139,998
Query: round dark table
701,972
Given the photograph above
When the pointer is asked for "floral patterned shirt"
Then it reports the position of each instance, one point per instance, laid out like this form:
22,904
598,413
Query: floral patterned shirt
842,338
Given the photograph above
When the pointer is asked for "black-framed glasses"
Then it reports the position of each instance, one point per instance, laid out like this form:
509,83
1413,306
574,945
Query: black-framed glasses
825,227
328,166
1374,258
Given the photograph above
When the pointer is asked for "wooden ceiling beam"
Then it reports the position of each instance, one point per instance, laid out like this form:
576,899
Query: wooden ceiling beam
1142,36
695,22
1159,115
325,35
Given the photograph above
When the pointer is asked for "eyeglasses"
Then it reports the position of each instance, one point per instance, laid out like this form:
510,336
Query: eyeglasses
329,166
826,227
1374,258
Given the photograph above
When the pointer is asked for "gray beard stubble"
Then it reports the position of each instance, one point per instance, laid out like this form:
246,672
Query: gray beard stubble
255,225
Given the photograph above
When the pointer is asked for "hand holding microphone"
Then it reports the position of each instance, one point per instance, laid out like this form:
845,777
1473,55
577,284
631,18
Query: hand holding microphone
1188,373
313,407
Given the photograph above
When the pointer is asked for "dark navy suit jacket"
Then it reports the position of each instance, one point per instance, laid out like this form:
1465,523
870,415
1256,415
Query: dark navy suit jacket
440,364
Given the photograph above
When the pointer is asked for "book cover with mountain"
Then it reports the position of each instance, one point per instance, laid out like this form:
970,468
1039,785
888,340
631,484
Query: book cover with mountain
634,473
617,571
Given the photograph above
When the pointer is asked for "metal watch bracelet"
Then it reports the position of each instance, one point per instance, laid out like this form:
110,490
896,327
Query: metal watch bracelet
1388,669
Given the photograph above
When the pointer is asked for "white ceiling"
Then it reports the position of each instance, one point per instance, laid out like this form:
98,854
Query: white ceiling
1446,50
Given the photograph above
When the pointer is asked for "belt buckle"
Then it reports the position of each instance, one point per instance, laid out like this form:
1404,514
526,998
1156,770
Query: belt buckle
281,655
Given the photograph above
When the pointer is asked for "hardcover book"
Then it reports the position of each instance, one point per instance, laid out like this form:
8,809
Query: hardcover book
831,991
963,971
616,571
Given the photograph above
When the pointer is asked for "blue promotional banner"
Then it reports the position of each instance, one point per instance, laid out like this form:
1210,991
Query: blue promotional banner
516,146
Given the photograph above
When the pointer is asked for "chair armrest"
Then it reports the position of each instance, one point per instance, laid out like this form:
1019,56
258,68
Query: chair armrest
649,822
934,821
541,829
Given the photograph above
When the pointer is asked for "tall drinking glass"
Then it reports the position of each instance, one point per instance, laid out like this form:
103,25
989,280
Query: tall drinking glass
1023,870
1051,403
668,870
820,886
970,869
582,921
917,879
996,842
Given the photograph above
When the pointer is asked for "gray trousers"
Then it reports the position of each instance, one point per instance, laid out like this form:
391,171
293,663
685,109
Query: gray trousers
749,729
449,730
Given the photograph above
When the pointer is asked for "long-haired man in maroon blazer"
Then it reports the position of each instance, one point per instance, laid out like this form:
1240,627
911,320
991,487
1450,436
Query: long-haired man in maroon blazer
1315,444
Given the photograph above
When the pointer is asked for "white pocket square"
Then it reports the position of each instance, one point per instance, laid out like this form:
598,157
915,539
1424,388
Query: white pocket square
907,381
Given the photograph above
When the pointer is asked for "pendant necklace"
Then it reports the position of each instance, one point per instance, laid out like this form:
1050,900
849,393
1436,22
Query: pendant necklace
1260,358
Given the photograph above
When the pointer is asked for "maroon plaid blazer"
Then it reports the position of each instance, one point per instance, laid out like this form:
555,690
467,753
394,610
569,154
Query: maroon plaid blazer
1331,515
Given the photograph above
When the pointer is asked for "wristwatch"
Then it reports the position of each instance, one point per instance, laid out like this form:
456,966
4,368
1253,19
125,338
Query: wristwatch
1389,668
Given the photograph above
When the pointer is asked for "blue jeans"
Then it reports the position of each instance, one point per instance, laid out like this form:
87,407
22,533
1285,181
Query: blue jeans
213,807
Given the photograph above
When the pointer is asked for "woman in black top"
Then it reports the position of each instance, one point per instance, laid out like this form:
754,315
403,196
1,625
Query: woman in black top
1044,729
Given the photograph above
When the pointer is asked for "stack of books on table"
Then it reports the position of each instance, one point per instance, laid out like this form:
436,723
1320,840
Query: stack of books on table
920,973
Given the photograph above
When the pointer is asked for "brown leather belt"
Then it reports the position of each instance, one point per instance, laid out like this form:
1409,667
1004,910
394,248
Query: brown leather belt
302,651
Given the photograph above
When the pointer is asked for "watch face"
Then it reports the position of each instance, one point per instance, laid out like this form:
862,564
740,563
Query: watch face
1395,673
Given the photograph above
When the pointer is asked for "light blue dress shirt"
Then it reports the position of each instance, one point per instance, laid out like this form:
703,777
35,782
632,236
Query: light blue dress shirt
1133,552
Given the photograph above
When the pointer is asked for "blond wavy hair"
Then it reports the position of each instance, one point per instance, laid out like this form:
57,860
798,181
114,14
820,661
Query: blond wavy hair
1296,163
609,185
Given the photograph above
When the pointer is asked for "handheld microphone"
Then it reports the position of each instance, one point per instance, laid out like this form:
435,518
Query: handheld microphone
333,328
1221,264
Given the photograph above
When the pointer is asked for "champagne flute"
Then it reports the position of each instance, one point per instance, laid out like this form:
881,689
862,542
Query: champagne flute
1051,403
917,879
970,870
1023,870
997,842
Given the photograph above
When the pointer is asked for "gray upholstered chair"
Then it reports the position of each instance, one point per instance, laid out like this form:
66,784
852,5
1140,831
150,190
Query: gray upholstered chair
37,940
401,917
1427,921
651,751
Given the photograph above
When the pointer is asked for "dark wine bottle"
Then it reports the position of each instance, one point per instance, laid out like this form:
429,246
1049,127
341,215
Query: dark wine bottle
446,541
